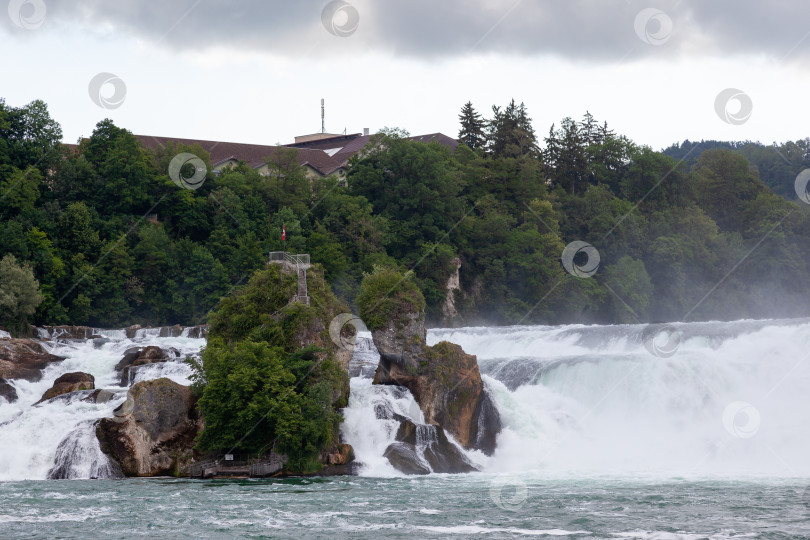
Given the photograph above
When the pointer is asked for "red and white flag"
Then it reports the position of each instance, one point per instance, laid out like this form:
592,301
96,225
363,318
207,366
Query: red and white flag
283,233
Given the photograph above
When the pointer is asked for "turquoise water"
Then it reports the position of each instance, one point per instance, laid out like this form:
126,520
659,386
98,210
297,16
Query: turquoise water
468,506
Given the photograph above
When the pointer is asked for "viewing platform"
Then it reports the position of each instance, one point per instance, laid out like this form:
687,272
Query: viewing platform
300,263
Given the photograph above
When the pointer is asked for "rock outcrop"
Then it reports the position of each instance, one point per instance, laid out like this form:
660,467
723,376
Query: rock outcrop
171,331
139,356
443,379
131,331
447,385
69,382
24,359
199,331
420,446
66,332
7,392
153,432
449,310
338,460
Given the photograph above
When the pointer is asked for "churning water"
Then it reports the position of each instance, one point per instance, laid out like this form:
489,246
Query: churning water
57,437
608,433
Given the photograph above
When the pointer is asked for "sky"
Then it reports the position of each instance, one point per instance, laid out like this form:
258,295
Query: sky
254,71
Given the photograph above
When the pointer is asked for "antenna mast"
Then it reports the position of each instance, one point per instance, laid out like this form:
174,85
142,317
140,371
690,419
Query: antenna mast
323,125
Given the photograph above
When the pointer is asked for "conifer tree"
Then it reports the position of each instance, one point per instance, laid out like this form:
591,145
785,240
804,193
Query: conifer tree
472,127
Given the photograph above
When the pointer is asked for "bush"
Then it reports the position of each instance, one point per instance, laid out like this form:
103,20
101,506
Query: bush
386,294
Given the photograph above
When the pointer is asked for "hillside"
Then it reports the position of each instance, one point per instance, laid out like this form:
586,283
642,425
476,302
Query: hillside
101,235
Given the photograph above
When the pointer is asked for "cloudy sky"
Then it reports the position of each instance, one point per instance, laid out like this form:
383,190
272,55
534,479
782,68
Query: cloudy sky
255,70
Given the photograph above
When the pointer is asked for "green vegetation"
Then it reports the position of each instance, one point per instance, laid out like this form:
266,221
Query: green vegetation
261,387
385,295
112,241
19,293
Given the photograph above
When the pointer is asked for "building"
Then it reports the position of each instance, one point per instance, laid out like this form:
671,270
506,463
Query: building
321,154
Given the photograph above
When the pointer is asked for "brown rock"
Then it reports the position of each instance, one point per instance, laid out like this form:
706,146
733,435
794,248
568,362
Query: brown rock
341,455
171,331
153,432
130,331
443,379
199,331
69,382
403,337
69,332
442,455
24,359
139,356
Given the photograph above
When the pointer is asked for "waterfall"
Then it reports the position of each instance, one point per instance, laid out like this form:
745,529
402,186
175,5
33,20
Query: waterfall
56,438
79,456
702,399
730,400
375,413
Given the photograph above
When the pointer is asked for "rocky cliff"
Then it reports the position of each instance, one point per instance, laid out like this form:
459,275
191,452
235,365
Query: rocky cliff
444,380
153,432
24,359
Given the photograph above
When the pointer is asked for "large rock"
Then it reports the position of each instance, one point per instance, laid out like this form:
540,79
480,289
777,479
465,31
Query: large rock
436,451
69,382
67,332
140,356
153,432
402,338
8,392
405,459
24,359
171,331
131,331
199,331
338,460
447,385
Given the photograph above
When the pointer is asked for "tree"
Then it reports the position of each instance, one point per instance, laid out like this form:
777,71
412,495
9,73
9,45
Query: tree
29,136
19,293
510,132
472,127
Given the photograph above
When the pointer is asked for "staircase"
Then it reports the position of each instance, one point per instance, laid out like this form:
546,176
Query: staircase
300,263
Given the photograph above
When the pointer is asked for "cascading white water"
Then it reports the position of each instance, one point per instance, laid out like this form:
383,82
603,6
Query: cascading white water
59,433
79,455
370,422
734,399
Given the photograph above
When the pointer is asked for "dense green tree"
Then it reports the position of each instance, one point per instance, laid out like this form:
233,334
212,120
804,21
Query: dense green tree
19,293
472,127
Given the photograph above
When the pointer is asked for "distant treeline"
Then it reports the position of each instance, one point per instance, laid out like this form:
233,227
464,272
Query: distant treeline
100,235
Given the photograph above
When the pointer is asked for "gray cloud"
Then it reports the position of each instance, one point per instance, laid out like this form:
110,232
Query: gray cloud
588,30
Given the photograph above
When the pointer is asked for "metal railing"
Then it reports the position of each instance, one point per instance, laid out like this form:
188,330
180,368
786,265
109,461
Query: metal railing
301,263
300,259
250,464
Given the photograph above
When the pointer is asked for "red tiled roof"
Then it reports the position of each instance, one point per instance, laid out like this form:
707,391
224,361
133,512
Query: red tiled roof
254,155
309,153
441,138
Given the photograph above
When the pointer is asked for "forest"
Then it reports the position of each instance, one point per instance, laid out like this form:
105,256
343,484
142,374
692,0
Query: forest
100,235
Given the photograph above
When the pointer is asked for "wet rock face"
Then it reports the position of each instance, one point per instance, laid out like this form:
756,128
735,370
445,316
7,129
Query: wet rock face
199,331
153,432
338,460
422,448
69,382
403,457
68,332
402,338
447,385
24,359
171,331
7,392
140,356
